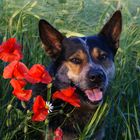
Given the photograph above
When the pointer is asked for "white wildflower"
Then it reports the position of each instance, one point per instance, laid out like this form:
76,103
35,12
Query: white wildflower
49,106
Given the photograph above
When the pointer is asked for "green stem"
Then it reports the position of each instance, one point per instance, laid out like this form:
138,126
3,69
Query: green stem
11,101
49,91
46,133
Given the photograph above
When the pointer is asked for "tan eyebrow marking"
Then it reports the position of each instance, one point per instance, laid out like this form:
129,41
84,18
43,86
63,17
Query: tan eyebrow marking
76,69
79,54
96,52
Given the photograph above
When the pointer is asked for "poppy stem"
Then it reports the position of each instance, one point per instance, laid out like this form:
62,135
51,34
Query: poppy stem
46,129
46,133
12,100
49,86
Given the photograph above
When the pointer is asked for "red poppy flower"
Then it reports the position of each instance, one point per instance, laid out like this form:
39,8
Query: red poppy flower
10,50
58,134
40,109
15,69
19,91
67,95
37,74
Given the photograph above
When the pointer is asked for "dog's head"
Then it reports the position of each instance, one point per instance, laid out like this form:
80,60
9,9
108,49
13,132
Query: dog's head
85,62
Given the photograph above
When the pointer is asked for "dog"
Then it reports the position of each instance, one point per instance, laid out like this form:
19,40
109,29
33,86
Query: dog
86,63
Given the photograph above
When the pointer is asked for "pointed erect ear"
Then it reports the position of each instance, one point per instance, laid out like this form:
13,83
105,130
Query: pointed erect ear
51,38
112,29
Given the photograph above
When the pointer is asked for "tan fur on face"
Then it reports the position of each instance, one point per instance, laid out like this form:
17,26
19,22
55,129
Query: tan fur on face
96,53
77,72
108,65
76,69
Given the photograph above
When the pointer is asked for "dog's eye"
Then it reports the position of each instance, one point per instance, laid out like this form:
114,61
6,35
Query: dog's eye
103,57
76,60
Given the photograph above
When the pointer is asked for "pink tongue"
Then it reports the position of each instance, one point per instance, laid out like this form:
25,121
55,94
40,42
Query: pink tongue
94,95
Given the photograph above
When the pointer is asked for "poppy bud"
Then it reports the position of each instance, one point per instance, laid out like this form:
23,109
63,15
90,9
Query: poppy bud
9,107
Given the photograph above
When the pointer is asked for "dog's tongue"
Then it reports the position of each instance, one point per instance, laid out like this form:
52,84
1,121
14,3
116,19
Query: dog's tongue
94,95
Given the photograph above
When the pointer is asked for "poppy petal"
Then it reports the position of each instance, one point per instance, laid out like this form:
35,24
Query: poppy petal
39,103
19,92
37,74
46,78
9,69
17,84
57,138
20,70
23,95
68,96
10,50
68,91
37,70
74,100
31,79
58,132
40,116
15,69
71,100
39,109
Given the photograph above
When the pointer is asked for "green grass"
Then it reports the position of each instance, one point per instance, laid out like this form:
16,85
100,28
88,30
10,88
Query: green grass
121,110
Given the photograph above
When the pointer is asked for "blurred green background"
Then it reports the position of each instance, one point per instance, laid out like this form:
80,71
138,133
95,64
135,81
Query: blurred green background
121,110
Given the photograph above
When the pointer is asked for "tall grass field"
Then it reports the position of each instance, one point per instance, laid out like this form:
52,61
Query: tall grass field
121,110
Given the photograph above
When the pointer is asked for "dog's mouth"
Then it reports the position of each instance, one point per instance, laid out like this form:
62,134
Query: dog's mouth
94,95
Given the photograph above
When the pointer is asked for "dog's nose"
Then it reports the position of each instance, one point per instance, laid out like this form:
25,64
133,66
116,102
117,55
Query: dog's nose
96,76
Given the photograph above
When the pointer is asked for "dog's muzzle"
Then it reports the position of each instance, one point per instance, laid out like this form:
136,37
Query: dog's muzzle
96,78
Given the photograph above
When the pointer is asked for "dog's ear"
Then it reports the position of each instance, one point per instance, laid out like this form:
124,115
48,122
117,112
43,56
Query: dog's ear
112,29
51,38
